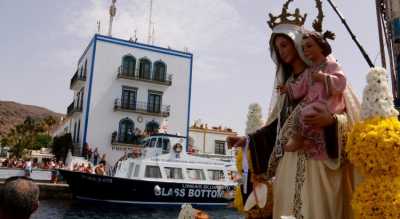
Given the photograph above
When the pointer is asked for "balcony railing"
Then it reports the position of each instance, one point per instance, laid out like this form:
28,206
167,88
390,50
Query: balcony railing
142,107
73,109
127,139
76,78
122,73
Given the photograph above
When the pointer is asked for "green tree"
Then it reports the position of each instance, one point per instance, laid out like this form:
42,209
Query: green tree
31,134
42,140
47,123
61,145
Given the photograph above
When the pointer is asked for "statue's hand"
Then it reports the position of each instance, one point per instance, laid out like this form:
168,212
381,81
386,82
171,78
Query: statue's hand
320,118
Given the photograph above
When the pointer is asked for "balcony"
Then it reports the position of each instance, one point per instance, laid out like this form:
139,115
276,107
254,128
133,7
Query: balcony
126,140
73,109
142,108
126,75
77,81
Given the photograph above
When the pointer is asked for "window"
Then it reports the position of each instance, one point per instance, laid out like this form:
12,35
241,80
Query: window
152,127
220,147
146,143
153,142
159,143
217,175
173,173
78,131
81,72
80,98
153,172
154,104
74,136
196,174
130,170
85,69
128,98
166,145
159,71
125,133
128,65
144,68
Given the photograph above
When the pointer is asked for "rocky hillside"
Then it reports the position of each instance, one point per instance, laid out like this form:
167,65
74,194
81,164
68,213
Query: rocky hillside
12,113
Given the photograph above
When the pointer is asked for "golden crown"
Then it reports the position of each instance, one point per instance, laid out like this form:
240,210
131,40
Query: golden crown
296,18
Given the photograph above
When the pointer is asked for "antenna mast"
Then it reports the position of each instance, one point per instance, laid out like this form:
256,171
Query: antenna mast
149,36
98,27
153,35
113,11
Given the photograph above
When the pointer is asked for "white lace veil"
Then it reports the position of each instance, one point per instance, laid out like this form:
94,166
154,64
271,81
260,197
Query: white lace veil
295,33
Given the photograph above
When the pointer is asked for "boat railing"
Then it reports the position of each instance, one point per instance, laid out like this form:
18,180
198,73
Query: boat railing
222,157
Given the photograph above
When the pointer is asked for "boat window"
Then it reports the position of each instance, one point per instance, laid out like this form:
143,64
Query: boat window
217,175
136,173
153,142
159,143
196,174
130,170
173,173
145,143
153,172
166,145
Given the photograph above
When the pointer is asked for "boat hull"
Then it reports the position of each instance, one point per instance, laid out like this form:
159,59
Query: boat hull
130,191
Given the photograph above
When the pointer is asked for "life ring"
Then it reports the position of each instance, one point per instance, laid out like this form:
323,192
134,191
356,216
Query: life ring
177,148
139,119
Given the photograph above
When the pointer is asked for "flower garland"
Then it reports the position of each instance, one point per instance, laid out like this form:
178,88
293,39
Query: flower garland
377,197
373,146
238,201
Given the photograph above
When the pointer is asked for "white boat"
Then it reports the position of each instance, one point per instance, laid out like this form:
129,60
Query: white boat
161,173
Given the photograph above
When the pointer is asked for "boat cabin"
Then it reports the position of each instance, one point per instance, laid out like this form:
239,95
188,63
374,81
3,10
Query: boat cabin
164,158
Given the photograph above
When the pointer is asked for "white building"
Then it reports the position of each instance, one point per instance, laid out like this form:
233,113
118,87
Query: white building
210,142
124,89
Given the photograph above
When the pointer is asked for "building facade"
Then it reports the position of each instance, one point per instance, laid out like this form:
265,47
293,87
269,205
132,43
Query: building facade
210,142
125,90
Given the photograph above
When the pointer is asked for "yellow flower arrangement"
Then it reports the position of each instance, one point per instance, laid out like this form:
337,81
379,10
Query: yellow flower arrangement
377,197
238,201
373,146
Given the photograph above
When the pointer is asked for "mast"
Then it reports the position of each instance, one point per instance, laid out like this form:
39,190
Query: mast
391,12
149,36
113,11
380,29
395,24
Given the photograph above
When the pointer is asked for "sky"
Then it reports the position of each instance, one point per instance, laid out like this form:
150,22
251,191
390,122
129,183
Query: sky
41,42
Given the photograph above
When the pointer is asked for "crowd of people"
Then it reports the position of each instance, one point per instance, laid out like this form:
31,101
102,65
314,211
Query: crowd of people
95,164
93,155
14,162
99,169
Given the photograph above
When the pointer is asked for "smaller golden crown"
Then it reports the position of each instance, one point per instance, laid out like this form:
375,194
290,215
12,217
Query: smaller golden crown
287,18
